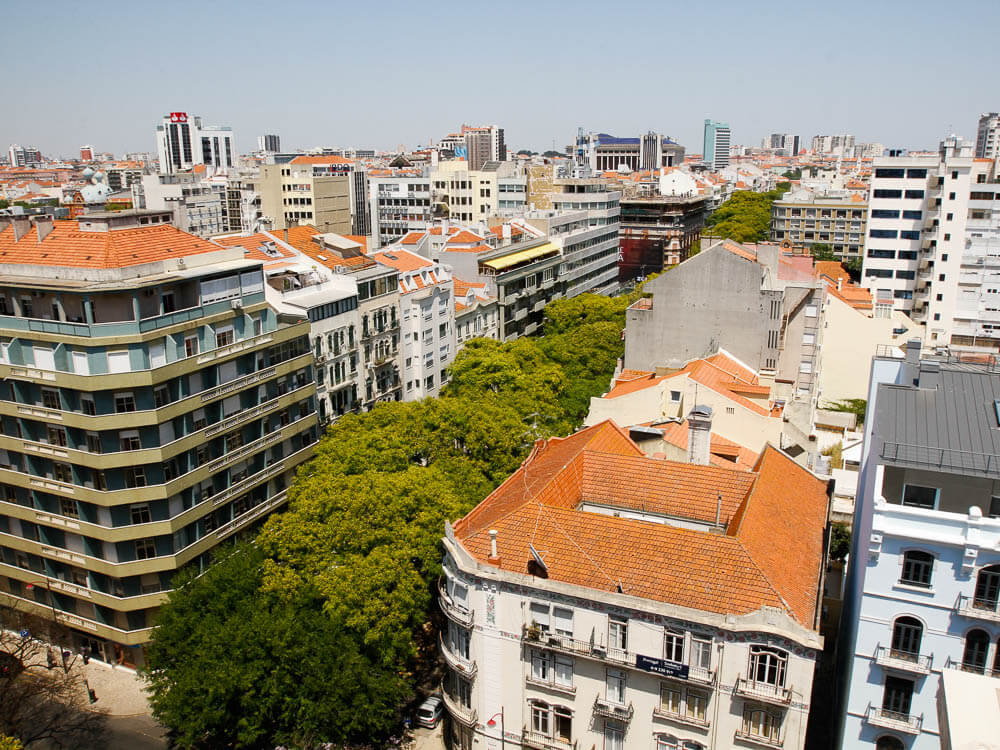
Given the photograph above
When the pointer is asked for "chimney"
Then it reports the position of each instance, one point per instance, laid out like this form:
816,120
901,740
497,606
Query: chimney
840,283
22,225
930,375
506,231
911,367
493,544
699,434
284,233
44,225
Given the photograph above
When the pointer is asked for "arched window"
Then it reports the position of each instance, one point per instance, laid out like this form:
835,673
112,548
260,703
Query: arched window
906,635
888,742
977,644
987,588
917,568
767,665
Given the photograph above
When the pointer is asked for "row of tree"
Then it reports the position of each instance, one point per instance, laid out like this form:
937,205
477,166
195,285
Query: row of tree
746,216
320,628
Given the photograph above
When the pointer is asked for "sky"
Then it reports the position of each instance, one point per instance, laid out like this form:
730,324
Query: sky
387,73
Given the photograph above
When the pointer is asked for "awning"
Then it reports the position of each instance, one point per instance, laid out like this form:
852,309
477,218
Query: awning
506,261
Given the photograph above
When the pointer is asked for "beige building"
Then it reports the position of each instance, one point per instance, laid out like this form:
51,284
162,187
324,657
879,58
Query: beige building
803,218
291,194
602,598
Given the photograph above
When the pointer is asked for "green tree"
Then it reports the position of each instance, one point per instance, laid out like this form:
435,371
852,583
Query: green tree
588,356
793,174
822,251
552,154
3,203
856,406
745,217
840,541
562,315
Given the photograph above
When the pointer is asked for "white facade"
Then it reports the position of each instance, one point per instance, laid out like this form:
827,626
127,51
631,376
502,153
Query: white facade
198,206
988,136
560,661
398,205
182,141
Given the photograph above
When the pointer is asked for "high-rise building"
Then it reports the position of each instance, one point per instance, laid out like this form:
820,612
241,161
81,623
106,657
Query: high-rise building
484,144
786,142
183,141
933,243
86,153
988,136
837,219
400,203
312,190
716,144
837,145
159,403
24,156
269,143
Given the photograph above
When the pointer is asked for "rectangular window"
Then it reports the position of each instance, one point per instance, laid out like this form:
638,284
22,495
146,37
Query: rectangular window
140,513
883,234
190,346
915,194
87,406
673,647
68,508
917,496
670,699
563,621
618,633
616,686
675,396
50,398
145,549
697,705
563,670
882,193
884,213
124,402
224,337
887,173
56,435
128,440
701,653
540,616
135,476
62,472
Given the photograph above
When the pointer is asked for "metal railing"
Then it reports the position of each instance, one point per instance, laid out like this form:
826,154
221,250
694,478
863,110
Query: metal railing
763,691
574,646
541,741
460,713
903,660
758,739
467,667
882,717
979,608
941,458
610,710
457,612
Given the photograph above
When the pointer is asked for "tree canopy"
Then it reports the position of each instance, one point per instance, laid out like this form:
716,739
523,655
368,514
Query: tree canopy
746,217
319,630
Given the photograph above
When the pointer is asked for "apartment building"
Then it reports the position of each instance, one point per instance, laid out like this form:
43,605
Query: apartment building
469,195
589,253
427,302
837,145
556,639
153,405
196,205
922,595
183,141
476,312
306,190
658,231
988,136
484,144
805,218
717,141
23,156
934,242
399,204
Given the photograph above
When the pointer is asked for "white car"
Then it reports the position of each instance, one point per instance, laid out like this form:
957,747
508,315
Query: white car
429,713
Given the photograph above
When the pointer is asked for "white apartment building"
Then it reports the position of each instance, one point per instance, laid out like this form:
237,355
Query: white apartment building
933,245
198,207
988,136
399,204
581,612
924,583
426,299
838,145
183,141
590,256
477,314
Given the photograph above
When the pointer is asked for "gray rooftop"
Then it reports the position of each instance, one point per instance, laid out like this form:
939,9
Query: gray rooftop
947,422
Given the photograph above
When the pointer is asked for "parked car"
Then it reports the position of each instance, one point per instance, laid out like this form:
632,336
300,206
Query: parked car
429,713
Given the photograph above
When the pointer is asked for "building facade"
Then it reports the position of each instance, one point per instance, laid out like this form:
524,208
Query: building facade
153,405
197,206
988,136
601,152
304,192
182,141
399,204
922,593
555,639
716,143
804,218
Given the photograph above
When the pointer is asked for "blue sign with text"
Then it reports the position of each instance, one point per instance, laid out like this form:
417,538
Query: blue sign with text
661,666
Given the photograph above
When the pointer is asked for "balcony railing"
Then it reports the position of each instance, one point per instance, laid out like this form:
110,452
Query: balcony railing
758,739
611,710
576,647
764,691
903,660
459,663
881,717
541,741
461,714
531,680
979,609
457,612
659,713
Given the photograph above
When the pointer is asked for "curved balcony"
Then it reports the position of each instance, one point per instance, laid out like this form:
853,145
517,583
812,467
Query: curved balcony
757,739
460,614
880,717
465,667
903,661
978,608
457,711
610,710
541,741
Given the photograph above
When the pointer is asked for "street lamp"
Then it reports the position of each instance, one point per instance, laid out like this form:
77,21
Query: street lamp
493,722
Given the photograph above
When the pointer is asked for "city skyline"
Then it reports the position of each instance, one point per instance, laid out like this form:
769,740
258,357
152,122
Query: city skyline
551,87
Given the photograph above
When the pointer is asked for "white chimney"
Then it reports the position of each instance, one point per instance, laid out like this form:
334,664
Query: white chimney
493,542
699,434
506,230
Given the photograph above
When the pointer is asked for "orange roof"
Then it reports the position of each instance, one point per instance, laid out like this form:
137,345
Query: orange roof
360,239
770,554
464,237
301,238
402,260
252,244
412,238
723,452
320,160
67,246
462,287
514,230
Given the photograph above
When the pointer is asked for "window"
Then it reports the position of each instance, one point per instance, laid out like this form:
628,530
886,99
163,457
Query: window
673,647
767,665
190,346
145,548
696,705
906,635
540,616
224,337
917,568
994,507
896,697
915,194
883,213
760,723
675,396
68,508
883,234
56,435
87,406
140,513
614,736
887,173
616,686
977,644
987,588
917,496
812,311
563,670
541,666
563,621
50,399
161,396
701,653
135,476
540,718
128,440
62,472
124,402
888,742
670,699
617,633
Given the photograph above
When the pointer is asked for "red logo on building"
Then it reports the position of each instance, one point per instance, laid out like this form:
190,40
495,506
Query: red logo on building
178,117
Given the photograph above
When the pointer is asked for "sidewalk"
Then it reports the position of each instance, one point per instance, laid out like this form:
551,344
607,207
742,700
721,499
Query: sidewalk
120,691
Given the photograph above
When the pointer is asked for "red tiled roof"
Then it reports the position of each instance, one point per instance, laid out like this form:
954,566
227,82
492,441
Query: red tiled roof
67,246
320,160
301,238
402,260
723,452
465,237
252,243
771,553
412,238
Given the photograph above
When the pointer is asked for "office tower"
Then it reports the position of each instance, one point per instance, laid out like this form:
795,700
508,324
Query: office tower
716,147
484,144
182,141
988,135
269,143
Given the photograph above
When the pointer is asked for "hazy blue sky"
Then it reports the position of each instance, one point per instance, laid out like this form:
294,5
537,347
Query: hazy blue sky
386,73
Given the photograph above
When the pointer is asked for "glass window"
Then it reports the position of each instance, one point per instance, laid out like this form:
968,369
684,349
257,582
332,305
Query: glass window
760,723
563,670
673,647
897,696
144,549
767,665
987,588
696,705
670,699
917,568
563,621
540,616
616,686
701,653
618,633
540,666
920,497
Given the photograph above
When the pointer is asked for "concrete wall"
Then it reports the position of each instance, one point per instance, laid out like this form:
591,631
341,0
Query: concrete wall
710,301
